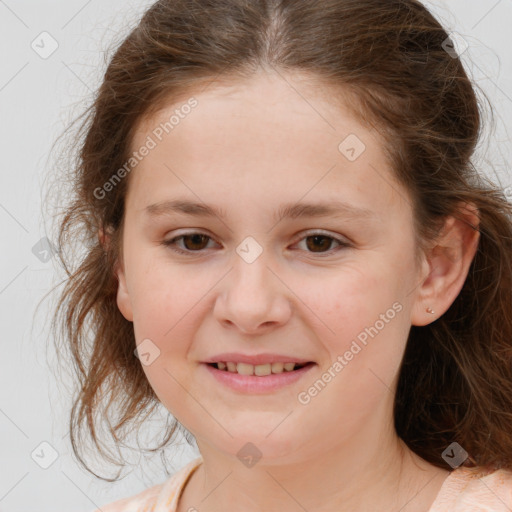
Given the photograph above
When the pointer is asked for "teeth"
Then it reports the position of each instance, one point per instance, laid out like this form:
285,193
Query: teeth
260,370
277,367
245,369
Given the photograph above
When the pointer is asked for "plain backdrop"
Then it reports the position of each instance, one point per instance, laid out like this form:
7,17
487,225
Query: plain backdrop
39,94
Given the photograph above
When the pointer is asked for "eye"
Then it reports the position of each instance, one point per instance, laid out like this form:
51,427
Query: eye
316,242
193,242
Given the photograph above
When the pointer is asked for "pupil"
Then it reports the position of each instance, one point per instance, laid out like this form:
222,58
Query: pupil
195,240
316,238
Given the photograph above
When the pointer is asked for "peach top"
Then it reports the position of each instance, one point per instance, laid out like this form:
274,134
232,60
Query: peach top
464,490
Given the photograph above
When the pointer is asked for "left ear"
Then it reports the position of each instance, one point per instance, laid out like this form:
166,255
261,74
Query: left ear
447,265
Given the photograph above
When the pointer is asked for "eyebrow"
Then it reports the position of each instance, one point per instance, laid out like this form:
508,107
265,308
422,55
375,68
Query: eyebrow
337,209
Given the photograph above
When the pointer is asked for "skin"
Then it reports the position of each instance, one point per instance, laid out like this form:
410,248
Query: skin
248,148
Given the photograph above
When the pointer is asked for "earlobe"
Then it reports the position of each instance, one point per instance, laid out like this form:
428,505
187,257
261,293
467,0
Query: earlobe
448,263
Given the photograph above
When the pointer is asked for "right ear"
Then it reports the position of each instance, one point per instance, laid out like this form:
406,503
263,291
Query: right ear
123,297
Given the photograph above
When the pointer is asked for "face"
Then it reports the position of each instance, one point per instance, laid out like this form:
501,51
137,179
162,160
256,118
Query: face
333,288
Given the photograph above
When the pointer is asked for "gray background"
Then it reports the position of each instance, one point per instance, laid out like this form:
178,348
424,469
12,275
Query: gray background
38,96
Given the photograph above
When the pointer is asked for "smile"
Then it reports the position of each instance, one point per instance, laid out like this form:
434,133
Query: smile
257,379
260,370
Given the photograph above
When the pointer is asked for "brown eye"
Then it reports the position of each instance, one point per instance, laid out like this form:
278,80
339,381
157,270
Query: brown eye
319,242
195,241
192,242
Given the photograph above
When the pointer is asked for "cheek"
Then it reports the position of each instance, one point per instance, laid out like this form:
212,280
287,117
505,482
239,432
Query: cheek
162,294
164,321
170,302
357,305
342,298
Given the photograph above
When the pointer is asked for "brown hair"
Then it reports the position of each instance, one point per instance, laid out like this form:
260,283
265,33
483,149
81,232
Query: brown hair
455,382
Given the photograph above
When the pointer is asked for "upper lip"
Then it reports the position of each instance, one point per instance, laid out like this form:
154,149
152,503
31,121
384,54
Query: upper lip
255,359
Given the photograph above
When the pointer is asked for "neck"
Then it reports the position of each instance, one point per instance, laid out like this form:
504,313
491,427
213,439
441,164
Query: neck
363,475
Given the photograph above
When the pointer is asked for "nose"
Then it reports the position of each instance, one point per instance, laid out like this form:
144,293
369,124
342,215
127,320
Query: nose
253,298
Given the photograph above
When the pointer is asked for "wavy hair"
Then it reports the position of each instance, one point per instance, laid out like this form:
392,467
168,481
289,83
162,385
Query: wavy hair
455,381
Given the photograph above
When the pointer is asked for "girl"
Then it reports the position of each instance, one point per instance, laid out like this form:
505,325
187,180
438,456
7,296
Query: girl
292,252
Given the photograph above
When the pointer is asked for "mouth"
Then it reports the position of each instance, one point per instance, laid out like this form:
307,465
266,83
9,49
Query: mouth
257,379
260,370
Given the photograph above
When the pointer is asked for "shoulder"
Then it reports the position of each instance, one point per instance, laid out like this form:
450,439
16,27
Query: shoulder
475,489
159,498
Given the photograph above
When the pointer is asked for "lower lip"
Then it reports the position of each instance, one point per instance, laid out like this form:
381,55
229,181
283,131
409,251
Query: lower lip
255,384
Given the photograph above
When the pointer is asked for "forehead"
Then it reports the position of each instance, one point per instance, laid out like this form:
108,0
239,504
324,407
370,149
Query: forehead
273,138
266,102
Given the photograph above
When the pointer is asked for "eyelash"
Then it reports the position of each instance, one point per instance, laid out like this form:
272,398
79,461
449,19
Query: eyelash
172,243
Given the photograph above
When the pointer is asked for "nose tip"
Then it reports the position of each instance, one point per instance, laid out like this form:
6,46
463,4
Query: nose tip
247,328
252,300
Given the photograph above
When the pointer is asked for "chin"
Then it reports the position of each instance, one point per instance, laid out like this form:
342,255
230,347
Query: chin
257,444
